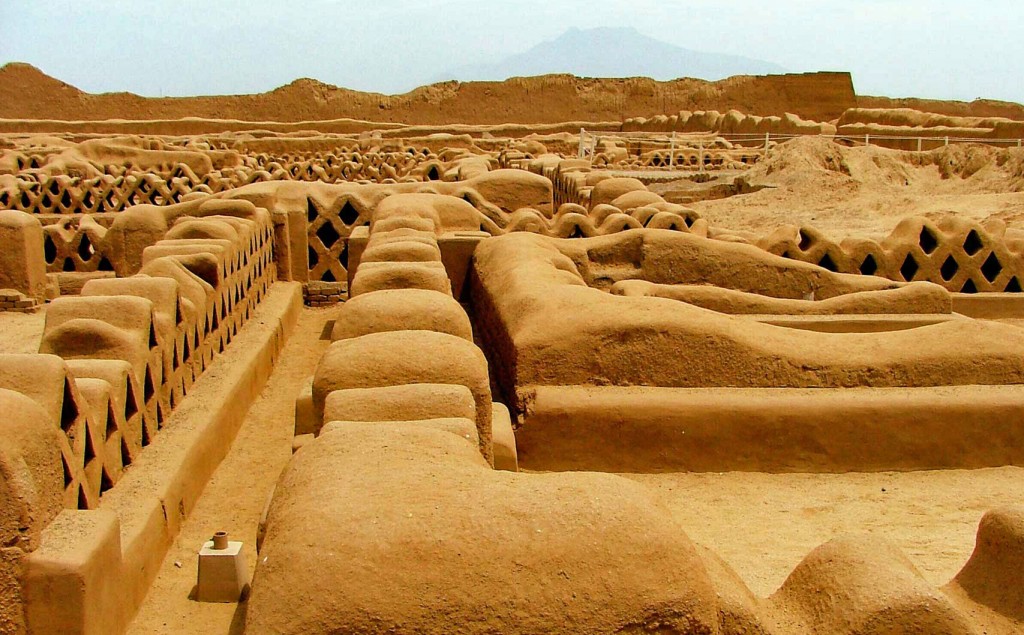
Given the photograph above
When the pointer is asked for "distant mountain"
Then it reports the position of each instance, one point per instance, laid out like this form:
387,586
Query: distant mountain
613,52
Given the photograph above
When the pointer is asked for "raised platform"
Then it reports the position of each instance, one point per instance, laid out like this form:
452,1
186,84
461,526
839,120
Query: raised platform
644,429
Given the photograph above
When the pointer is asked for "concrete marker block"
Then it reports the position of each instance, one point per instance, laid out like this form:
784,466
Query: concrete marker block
223,575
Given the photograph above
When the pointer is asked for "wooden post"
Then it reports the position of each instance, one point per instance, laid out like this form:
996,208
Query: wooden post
919,144
672,150
867,139
579,154
767,136
700,154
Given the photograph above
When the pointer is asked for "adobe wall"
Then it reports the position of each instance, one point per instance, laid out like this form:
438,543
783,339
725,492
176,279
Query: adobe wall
116,362
532,315
590,311
22,262
643,429
403,398
935,128
546,99
957,253
474,521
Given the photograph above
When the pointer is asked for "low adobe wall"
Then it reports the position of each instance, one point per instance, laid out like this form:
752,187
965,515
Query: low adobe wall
117,364
550,333
650,429
93,568
536,289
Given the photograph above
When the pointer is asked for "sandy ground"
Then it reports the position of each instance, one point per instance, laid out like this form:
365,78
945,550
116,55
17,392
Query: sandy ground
21,332
234,498
866,191
764,524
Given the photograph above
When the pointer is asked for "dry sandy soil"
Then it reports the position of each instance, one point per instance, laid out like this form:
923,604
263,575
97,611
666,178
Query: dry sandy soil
21,332
764,524
868,190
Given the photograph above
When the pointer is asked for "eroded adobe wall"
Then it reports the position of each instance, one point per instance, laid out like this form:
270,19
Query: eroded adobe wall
545,99
403,440
22,262
732,122
650,342
590,552
936,129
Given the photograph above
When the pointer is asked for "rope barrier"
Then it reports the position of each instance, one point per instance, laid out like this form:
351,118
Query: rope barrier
696,140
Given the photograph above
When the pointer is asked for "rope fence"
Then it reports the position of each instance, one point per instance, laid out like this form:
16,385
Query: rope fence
588,142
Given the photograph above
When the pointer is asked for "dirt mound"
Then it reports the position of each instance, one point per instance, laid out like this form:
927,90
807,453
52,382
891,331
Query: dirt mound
819,161
999,550
24,88
850,191
810,160
28,93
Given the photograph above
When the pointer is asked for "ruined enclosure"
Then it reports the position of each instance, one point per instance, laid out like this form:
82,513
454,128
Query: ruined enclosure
484,379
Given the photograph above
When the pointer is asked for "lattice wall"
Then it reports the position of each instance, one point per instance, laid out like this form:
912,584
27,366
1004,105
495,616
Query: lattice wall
107,430
39,192
959,254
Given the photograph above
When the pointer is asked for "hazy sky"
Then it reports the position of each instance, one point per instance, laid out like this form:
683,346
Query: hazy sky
919,48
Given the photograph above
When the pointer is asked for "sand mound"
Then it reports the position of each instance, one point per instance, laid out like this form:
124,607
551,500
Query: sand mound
864,585
991,576
805,162
866,190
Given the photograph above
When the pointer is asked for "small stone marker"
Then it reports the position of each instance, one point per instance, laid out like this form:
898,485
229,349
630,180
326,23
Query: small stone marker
222,571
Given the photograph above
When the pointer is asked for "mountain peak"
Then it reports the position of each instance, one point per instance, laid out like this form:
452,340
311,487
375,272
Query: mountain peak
614,52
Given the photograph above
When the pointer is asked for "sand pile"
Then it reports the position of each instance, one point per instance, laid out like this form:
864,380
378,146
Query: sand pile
800,161
866,190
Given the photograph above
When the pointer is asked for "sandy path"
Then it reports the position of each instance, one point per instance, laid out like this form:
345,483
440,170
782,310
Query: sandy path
764,524
234,498
21,332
